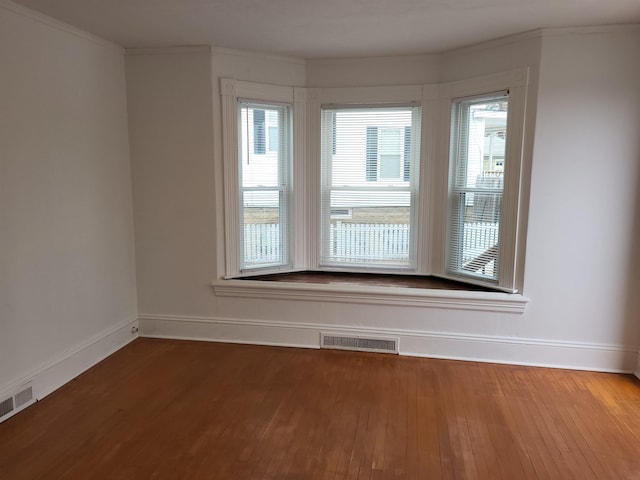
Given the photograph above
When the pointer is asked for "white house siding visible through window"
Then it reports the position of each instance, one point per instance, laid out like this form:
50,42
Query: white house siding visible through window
369,160
476,185
264,166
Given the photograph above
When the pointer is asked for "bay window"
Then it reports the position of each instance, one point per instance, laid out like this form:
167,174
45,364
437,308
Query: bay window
421,179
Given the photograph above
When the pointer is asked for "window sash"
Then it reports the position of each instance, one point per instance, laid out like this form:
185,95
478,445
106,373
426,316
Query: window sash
476,188
264,177
353,148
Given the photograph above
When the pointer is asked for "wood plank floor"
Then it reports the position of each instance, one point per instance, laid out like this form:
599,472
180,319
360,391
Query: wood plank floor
164,409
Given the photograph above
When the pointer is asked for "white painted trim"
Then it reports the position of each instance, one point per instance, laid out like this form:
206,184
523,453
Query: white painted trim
177,50
516,81
70,363
58,25
230,91
312,162
368,60
261,91
257,55
493,82
355,95
479,348
368,295
299,209
231,208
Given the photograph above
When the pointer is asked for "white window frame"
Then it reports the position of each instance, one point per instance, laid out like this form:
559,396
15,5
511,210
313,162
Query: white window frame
412,99
231,91
430,207
282,185
373,97
515,82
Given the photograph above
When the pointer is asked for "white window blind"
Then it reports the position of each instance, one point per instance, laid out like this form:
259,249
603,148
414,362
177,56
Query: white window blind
476,186
370,158
264,144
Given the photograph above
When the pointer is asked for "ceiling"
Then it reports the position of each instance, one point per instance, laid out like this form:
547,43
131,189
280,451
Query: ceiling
328,28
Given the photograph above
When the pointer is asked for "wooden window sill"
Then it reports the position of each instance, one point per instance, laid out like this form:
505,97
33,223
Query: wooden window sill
394,290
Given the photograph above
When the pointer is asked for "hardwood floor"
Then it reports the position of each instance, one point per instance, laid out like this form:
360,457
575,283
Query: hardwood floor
166,409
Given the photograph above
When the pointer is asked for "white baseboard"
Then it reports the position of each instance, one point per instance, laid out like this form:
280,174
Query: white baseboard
479,348
69,364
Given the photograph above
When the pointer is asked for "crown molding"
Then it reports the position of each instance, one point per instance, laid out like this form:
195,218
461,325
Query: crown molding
422,57
176,50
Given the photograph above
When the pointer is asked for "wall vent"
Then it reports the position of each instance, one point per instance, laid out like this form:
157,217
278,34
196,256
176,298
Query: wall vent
16,402
359,343
23,397
6,407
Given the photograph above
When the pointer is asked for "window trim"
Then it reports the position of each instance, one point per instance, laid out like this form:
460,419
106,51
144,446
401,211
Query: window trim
510,279
369,295
431,213
360,97
283,187
231,91
322,217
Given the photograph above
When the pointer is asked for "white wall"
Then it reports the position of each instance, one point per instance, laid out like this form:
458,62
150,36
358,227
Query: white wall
586,319
581,251
374,71
170,123
67,277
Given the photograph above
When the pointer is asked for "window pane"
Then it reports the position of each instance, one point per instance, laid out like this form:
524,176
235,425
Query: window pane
261,239
390,167
273,138
264,185
479,129
369,169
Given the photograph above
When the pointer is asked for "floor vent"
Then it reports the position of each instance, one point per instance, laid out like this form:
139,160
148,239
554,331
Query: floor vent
16,402
359,343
